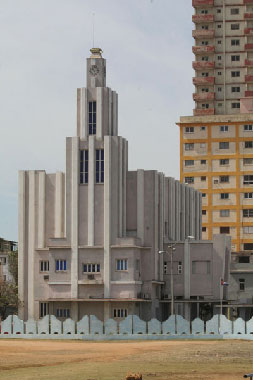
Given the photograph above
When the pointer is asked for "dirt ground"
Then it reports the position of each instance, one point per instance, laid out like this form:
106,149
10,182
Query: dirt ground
159,360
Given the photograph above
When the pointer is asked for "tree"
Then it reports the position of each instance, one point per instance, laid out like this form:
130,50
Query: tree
9,301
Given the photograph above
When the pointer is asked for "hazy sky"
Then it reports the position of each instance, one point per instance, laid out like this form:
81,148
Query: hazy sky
43,49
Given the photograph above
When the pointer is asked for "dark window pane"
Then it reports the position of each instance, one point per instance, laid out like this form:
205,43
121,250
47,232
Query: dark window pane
97,177
102,177
97,154
90,106
86,177
102,154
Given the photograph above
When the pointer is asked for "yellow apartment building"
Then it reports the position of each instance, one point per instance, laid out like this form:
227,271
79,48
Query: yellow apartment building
216,157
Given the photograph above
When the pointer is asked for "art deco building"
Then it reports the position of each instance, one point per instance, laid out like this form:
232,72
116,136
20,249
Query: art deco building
89,239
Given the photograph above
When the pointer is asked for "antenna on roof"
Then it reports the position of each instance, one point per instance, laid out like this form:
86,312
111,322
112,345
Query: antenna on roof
93,29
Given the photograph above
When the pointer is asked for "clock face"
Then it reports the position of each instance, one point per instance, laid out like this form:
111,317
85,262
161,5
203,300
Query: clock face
94,70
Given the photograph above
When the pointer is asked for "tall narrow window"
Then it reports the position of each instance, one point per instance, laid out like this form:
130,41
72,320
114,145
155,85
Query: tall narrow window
84,164
99,165
92,118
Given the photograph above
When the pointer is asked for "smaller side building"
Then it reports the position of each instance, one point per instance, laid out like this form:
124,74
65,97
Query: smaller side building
197,271
6,246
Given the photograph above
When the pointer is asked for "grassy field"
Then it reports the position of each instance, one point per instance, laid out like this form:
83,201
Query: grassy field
67,360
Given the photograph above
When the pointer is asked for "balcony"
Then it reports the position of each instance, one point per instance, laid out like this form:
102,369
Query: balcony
249,78
248,16
203,49
203,33
247,2
199,65
248,31
202,18
248,94
203,112
203,96
248,47
200,81
202,3
248,62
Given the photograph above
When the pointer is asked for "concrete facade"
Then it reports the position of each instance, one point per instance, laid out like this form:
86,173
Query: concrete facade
223,56
89,238
6,247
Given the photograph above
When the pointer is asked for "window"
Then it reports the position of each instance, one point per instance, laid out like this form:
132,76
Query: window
224,195
201,267
63,313
224,161
234,11
224,179
219,26
189,180
121,264
203,162
219,42
235,26
224,213
44,309
202,128
248,213
84,165
248,179
224,230
205,74
165,267
218,10
204,11
179,267
203,178
235,42
204,59
204,27
219,57
137,265
92,118
99,165
189,162
91,268
203,195
202,145
219,104
203,229
119,313
189,130
248,127
248,161
224,145
224,128
205,43
44,266
205,89
3,260
203,212
235,105
248,144
235,74
60,265
235,89
205,106
247,230
219,89
242,284
219,72
243,259
189,146
235,58
248,195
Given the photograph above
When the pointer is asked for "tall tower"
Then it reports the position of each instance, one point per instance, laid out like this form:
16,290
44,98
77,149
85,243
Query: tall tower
223,51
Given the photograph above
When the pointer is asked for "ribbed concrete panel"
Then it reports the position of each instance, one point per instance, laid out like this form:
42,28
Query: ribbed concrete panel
31,242
107,217
59,205
22,247
74,212
42,210
91,189
140,205
100,101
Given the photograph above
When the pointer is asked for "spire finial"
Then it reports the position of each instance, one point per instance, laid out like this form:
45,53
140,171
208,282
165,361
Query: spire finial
96,52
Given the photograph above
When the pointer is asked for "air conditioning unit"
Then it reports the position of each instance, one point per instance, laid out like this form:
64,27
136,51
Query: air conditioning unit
91,277
46,277
216,181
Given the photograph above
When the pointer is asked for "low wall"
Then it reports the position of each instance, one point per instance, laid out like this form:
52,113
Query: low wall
132,327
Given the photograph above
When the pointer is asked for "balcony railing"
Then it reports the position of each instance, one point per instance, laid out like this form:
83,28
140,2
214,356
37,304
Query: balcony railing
248,16
203,112
202,3
248,94
203,96
200,81
202,18
248,46
203,49
249,78
199,65
203,33
248,31
248,62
